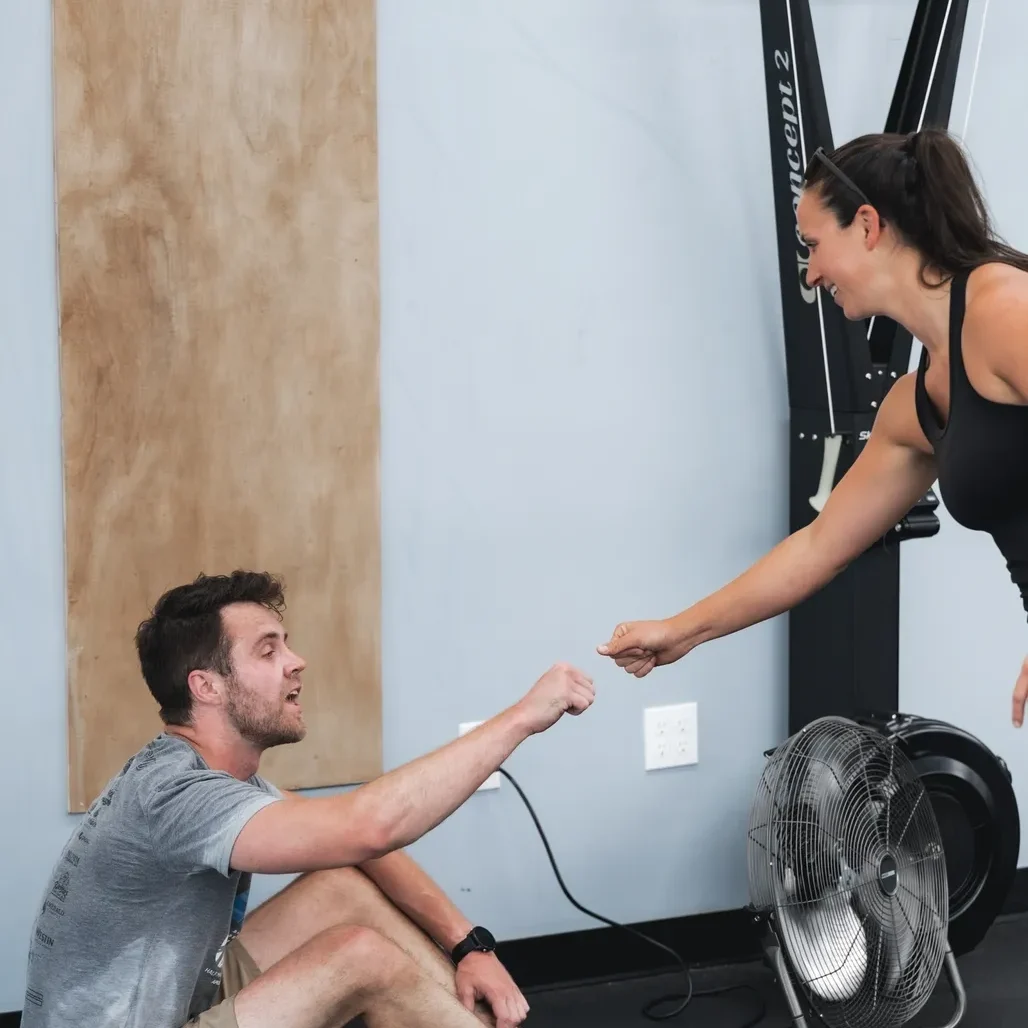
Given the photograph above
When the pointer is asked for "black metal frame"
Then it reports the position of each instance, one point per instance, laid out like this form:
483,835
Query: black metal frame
844,641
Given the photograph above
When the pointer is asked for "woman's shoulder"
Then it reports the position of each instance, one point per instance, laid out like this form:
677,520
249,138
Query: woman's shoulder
995,330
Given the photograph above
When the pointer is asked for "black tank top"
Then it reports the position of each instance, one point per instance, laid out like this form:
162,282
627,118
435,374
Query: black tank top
981,453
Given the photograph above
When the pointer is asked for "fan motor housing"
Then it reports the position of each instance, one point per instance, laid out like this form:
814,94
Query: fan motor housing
972,795
887,880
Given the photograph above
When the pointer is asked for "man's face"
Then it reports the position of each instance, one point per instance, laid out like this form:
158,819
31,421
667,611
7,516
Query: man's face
264,687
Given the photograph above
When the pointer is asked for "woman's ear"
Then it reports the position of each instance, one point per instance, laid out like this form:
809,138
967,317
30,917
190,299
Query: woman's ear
872,224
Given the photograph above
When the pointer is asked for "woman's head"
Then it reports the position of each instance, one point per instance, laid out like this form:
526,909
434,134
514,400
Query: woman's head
884,198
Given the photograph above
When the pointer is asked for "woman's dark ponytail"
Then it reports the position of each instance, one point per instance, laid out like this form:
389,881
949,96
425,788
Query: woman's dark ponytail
922,185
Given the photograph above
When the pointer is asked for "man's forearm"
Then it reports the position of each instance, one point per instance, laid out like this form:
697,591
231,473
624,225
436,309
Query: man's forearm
411,800
414,892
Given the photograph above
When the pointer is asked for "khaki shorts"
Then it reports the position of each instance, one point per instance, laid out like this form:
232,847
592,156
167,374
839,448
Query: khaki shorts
237,970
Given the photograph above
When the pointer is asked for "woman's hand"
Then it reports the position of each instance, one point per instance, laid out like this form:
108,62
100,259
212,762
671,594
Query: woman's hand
640,646
1021,694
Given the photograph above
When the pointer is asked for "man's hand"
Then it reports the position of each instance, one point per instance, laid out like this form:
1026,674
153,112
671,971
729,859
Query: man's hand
481,976
1020,695
562,690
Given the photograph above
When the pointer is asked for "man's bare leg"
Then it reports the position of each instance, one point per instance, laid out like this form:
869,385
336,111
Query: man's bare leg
324,899
343,973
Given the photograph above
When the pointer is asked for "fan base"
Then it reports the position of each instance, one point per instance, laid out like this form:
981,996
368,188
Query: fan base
774,954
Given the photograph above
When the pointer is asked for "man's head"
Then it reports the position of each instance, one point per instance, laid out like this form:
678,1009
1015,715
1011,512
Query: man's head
215,652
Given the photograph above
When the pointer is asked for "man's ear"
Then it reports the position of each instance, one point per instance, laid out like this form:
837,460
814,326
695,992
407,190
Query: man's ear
205,686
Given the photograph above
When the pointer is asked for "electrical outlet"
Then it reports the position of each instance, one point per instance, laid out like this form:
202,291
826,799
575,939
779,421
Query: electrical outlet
669,735
493,781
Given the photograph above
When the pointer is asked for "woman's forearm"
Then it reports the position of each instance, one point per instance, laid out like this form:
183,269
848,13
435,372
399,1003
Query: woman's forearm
795,569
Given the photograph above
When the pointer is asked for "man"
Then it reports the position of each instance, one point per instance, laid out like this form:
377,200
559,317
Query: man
142,924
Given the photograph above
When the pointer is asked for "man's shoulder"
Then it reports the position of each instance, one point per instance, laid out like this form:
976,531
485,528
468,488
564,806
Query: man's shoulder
166,767
163,758
270,788
170,762
162,755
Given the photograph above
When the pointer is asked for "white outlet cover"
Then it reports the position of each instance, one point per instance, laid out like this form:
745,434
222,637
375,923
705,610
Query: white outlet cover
493,781
669,736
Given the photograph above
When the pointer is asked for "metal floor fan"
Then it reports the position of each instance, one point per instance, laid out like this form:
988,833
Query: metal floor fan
848,874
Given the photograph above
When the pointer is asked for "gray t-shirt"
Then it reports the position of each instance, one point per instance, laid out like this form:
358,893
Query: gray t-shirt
134,921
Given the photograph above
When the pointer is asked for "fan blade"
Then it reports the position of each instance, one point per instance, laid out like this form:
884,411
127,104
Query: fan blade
826,946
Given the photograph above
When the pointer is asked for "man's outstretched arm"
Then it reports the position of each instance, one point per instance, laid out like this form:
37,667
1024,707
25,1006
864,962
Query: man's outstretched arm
397,808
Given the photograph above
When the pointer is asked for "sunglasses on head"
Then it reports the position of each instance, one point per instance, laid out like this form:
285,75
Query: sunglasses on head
820,155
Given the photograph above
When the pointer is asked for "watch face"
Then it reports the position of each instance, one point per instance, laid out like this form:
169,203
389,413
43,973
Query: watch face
483,937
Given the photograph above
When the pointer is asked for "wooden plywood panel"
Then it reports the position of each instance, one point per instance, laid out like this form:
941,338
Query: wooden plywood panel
218,264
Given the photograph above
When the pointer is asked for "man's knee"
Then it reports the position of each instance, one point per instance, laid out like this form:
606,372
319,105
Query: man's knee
365,957
340,972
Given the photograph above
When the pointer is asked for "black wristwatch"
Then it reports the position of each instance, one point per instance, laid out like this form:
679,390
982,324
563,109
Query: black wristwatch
478,940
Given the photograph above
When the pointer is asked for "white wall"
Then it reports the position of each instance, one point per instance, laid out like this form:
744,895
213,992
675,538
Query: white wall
584,419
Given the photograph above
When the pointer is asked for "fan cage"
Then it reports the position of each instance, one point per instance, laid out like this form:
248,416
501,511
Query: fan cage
846,861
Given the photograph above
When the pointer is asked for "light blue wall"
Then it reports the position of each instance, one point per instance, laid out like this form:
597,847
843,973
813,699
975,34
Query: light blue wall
584,419
33,752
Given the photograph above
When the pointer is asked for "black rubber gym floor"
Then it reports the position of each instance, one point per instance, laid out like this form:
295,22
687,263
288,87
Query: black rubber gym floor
995,976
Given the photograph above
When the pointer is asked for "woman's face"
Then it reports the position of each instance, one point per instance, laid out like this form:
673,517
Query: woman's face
842,260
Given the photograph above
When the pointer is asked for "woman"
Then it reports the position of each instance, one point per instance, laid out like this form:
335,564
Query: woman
897,227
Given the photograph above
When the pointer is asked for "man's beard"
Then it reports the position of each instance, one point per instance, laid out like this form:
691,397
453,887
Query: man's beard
259,723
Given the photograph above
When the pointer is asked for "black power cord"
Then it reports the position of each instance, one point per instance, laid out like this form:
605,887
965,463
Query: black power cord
648,1010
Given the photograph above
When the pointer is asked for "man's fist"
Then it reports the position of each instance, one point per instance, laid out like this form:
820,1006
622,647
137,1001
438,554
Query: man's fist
562,690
